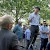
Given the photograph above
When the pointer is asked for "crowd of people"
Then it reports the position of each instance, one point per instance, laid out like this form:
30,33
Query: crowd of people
10,39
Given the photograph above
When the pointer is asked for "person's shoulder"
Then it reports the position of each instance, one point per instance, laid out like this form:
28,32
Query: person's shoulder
28,30
32,13
17,25
41,27
7,34
11,34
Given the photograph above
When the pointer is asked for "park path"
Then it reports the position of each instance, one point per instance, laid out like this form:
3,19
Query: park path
37,43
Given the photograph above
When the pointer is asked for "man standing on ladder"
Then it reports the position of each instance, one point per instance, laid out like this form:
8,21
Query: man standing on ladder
34,20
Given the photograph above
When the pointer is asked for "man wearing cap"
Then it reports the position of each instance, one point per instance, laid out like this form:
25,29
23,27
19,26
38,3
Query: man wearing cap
44,31
34,19
8,40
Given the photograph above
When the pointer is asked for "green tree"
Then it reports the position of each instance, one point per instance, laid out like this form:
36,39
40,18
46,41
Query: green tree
23,8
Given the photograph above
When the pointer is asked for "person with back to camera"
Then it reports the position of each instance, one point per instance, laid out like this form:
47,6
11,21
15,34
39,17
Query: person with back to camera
8,40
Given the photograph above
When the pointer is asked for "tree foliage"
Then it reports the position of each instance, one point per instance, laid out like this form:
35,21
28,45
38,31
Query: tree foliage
22,8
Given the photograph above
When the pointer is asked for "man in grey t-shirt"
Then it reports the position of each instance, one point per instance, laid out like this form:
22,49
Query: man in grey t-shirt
34,20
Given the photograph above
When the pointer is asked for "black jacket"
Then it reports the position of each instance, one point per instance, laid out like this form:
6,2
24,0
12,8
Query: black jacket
8,40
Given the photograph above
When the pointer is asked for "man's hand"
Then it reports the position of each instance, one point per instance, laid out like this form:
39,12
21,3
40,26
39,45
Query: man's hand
30,19
45,32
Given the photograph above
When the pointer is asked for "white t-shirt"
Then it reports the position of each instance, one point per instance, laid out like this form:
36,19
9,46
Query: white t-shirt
27,34
35,19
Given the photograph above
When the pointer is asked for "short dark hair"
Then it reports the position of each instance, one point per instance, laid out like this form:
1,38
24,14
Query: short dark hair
37,8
